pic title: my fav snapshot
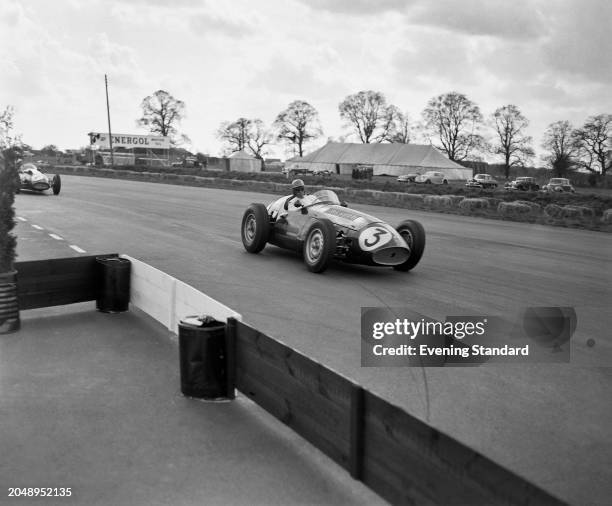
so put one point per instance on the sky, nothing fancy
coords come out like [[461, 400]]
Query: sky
[[226, 60]]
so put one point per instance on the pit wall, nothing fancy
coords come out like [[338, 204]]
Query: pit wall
[[486, 207]]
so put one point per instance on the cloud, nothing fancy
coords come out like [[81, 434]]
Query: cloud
[[518, 19], [580, 40], [12, 14], [205, 24], [356, 7], [285, 76], [428, 59]]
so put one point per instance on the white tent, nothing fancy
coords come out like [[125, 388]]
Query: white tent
[[241, 161], [390, 159]]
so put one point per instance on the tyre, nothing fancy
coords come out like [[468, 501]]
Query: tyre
[[319, 245], [428, 181], [445, 182], [414, 235], [255, 228], [56, 184]]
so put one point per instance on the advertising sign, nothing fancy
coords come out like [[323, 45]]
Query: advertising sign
[[128, 141]]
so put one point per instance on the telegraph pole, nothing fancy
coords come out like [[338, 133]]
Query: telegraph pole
[[110, 137]]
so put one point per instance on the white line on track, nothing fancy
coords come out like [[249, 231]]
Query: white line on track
[[20, 218], [56, 237], [77, 249], [37, 227]]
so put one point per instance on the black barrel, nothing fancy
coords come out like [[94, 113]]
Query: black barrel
[[9, 303], [202, 360], [113, 284]]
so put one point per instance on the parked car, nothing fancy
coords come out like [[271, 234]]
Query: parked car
[[431, 177], [523, 184], [559, 184], [482, 181], [322, 228], [32, 179], [321, 172], [296, 172], [407, 178]]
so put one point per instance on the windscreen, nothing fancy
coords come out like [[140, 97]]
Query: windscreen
[[326, 197]]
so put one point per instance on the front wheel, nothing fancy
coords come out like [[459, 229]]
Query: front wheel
[[56, 184], [319, 245], [414, 234], [255, 228]]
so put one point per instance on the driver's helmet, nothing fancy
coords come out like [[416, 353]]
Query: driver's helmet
[[297, 185]]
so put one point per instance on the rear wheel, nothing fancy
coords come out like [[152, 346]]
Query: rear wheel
[[255, 228], [319, 245], [56, 184], [414, 234]]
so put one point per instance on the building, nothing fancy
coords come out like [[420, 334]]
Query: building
[[385, 159]]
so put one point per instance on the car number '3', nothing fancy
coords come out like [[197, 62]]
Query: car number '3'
[[374, 237]]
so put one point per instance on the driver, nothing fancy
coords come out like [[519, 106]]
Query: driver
[[298, 192], [297, 199]]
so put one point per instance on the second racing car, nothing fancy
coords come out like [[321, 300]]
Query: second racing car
[[32, 179], [324, 228]]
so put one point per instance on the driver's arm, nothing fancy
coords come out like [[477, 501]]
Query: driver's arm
[[286, 206]]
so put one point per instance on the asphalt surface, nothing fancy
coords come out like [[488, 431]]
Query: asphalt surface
[[547, 422], [90, 407]]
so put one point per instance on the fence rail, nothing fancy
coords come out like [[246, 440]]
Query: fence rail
[[398, 456], [55, 282]]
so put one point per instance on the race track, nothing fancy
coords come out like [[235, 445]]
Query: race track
[[547, 422]]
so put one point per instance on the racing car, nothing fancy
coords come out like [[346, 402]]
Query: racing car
[[323, 228], [31, 178]]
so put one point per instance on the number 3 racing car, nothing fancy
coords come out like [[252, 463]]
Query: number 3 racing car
[[32, 179], [322, 228]]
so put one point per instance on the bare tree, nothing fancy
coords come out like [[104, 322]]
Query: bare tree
[[368, 113], [515, 147], [594, 139], [402, 128], [259, 138], [298, 124], [455, 120], [234, 134], [244, 134], [559, 140], [161, 113]]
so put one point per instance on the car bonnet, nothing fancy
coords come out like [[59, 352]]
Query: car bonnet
[[346, 217]]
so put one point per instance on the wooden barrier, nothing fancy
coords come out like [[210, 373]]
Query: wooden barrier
[[55, 282], [399, 457]]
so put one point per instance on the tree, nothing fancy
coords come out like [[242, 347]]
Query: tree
[[559, 140], [244, 134], [595, 143], [235, 134], [10, 152], [402, 131], [515, 147], [298, 124], [7, 140], [161, 113], [258, 138], [368, 113], [455, 120], [51, 150]]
